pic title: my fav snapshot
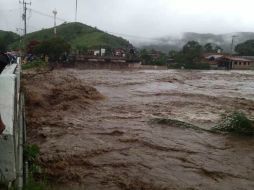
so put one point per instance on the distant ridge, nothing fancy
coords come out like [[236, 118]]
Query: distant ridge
[[223, 40]]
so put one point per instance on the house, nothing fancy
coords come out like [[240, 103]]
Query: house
[[232, 62], [226, 61], [212, 60], [119, 52], [214, 57], [97, 52]]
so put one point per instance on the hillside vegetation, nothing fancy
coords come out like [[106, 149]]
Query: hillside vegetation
[[6, 38], [78, 35], [168, 43]]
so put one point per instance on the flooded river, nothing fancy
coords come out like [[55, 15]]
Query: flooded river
[[112, 144]]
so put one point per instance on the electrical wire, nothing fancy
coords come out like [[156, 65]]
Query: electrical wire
[[46, 15], [130, 36], [133, 36], [113, 33], [8, 10]]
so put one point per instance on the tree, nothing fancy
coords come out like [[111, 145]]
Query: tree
[[31, 46], [217, 48], [192, 52], [211, 48], [146, 58], [54, 48], [190, 56], [82, 49], [153, 57], [192, 47], [3, 45], [172, 53], [5, 40], [162, 60], [208, 48], [246, 48]]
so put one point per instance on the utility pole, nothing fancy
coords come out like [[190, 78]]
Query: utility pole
[[20, 31], [54, 12], [24, 3], [76, 10], [24, 15], [232, 45]]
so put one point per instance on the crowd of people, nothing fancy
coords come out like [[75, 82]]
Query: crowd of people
[[5, 59]]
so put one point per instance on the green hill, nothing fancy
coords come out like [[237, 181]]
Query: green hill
[[6, 38], [168, 43], [79, 35]]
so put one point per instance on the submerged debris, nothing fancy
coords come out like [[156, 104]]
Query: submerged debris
[[235, 122], [177, 123], [174, 122]]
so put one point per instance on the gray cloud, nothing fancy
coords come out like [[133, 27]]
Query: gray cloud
[[146, 18]]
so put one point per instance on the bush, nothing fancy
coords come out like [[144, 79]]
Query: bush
[[236, 123], [54, 48], [32, 184], [31, 153], [34, 64]]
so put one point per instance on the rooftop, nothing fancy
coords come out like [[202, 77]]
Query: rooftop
[[214, 56], [237, 59]]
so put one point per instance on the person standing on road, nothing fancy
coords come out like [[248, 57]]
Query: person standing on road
[[4, 60]]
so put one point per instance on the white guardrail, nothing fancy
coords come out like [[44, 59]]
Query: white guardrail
[[12, 138]]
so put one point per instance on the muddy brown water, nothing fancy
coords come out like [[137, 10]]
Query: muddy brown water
[[111, 144]]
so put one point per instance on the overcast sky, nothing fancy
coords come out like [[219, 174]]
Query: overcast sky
[[146, 18]]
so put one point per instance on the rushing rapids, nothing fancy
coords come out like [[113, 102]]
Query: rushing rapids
[[94, 128]]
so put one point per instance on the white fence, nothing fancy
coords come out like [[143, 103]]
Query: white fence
[[11, 140]]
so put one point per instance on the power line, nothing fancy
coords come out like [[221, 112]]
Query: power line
[[8, 10], [133, 36], [113, 33], [47, 15]]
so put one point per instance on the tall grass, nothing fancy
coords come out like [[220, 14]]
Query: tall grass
[[34, 64], [237, 123]]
